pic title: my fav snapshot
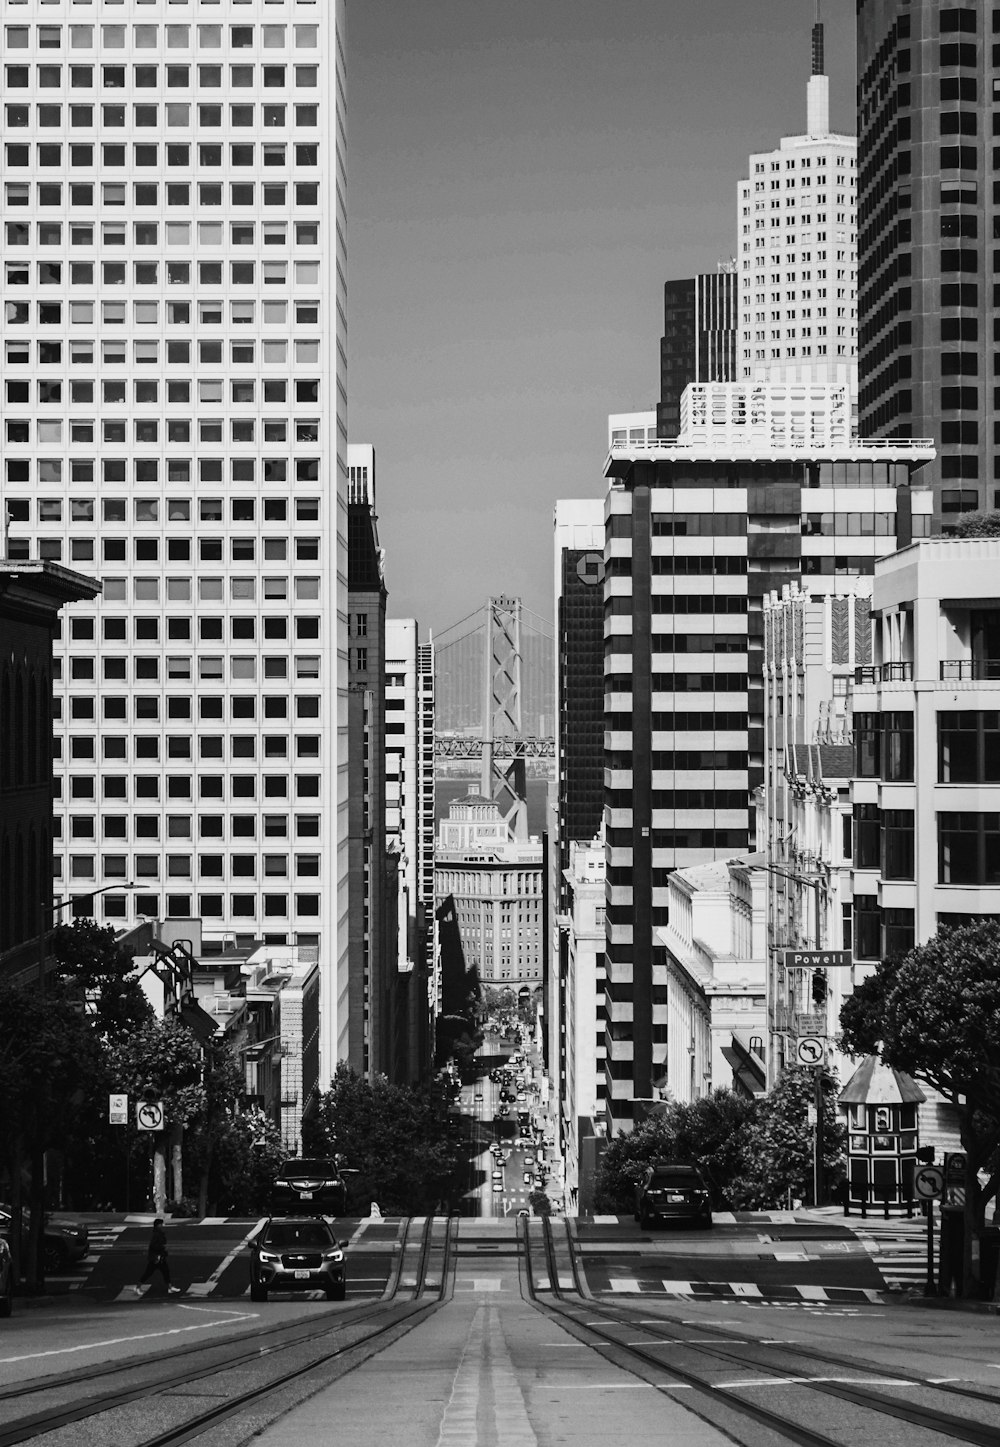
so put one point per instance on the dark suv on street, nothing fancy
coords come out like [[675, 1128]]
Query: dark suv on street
[[297, 1254], [668, 1192], [311, 1187]]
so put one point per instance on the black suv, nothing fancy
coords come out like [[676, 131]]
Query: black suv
[[309, 1188], [297, 1254], [668, 1192]]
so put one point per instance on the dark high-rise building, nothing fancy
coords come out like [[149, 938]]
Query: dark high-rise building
[[765, 486], [928, 194], [700, 324], [371, 932]]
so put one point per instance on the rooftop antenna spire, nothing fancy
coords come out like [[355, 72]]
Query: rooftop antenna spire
[[818, 99], [818, 66]]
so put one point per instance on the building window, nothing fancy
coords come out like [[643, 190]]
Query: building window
[[968, 747], [897, 859], [897, 747], [867, 836], [968, 848]]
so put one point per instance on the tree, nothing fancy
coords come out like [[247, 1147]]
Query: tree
[[977, 525], [778, 1147], [92, 966], [246, 1154], [393, 1137], [627, 1156], [49, 1058], [713, 1133], [936, 1015]]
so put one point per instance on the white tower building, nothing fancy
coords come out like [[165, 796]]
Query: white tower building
[[174, 184], [797, 243]]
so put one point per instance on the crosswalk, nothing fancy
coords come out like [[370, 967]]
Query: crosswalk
[[898, 1250], [747, 1291], [72, 1278]]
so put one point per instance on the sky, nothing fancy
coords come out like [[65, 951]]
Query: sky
[[523, 177]]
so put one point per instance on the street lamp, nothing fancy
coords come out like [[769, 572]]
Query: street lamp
[[53, 909]]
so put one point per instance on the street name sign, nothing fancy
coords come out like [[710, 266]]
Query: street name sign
[[928, 1182], [149, 1115], [818, 959], [810, 1050]]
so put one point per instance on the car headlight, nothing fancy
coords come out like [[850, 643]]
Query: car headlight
[[333, 1255], [270, 1256]]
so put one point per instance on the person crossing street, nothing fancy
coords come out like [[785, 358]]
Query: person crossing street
[[156, 1260]]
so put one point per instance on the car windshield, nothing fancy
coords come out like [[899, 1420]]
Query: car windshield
[[291, 1233], [674, 1179], [309, 1168]]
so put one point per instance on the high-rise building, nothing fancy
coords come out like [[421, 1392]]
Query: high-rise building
[[175, 400], [927, 187], [700, 321], [797, 238], [764, 486], [371, 933], [577, 801], [409, 819]]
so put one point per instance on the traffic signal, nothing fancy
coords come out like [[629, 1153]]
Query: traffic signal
[[819, 987]]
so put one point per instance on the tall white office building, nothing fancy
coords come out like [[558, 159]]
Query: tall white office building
[[174, 192], [797, 238]]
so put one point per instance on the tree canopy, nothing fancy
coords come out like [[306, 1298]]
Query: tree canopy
[[977, 525], [936, 1014], [392, 1138]]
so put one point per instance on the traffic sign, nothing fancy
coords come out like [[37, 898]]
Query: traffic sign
[[118, 1110], [818, 959], [810, 1050], [149, 1115], [928, 1182], [955, 1166]]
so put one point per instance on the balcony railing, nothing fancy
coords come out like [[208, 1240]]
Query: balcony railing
[[980, 670], [883, 673]]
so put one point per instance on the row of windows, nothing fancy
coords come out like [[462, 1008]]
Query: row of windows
[[242, 668], [179, 866], [179, 550], [177, 430], [181, 786], [147, 630], [209, 906], [182, 826], [175, 510], [146, 193], [147, 37], [145, 708]]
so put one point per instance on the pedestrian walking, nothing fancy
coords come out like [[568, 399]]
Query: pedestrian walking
[[156, 1260]]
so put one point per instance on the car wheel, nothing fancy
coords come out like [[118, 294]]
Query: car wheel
[[6, 1305], [704, 1223], [336, 1293], [258, 1292]]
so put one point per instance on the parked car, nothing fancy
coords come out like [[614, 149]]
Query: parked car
[[311, 1187], [6, 1280], [669, 1192], [64, 1240], [297, 1254]]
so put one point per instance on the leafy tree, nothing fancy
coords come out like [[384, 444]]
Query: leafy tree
[[247, 1153], [540, 1203], [936, 1015], [977, 525], [778, 1145], [393, 1137], [49, 1057], [93, 966], [713, 1133], [627, 1156]]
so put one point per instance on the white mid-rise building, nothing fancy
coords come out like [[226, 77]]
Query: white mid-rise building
[[174, 212], [797, 241]]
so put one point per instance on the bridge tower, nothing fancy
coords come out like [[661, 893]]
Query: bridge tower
[[503, 770]]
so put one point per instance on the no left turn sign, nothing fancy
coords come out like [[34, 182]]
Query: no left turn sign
[[928, 1182], [149, 1115], [810, 1050]]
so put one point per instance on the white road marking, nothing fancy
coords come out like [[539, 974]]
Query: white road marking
[[120, 1340], [202, 1288], [217, 1309], [796, 1381]]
